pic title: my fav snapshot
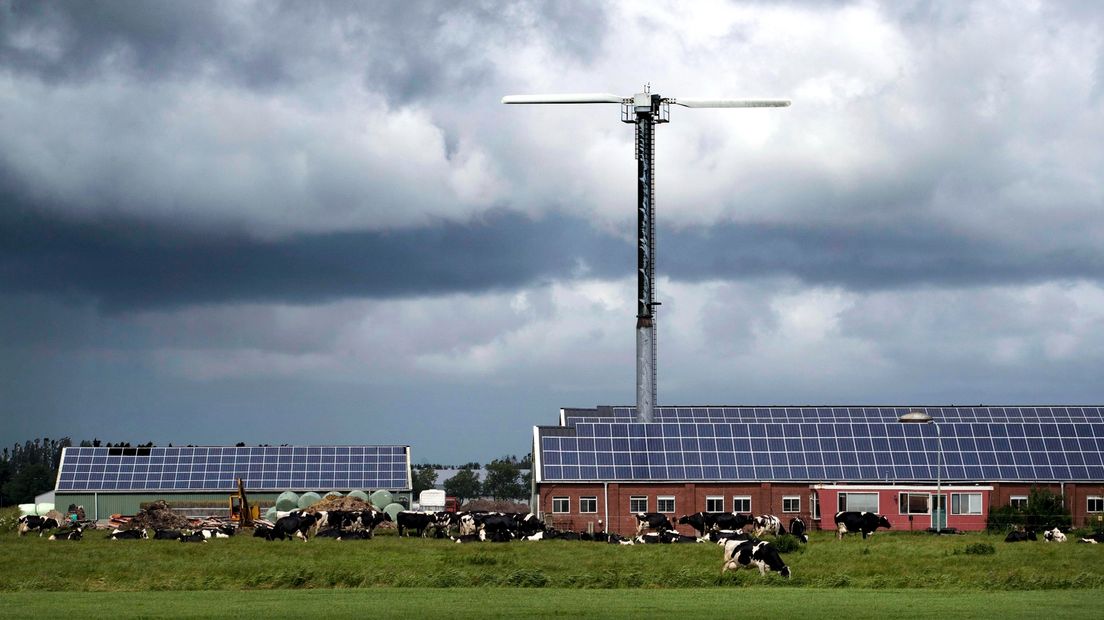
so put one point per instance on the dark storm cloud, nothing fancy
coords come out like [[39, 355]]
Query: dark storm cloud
[[126, 264], [409, 50]]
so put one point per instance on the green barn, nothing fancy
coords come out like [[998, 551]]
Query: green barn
[[199, 480]]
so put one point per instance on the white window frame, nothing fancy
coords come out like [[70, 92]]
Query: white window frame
[[1099, 499], [814, 506], [665, 498], [1017, 499], [740, 498], [561, 505], [592, 500], [841, 500], [904, 507], [959, 497], [718, 501], [638, 498], [791, 498]]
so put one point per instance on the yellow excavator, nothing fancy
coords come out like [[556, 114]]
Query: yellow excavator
[[240, 508]]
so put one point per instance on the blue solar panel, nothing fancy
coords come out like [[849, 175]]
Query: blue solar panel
[[818, 450], [1052, 414], [217, 468]]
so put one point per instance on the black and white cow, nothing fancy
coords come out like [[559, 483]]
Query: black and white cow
[[194, 537], [30, 523], [652, 520], [1095, 538], [67, 534], [759, 554], [768, 524], [135, 534], [528, 524], [329, 532], [1054, 535], [722, 536], [417, 521], [705, 521], [650, 538], [355, 535], [865, 522], [166, 535], [297, 524], [672, 536], [479, 536], [797, 528], [221, 532], [499, 526], [1020, 536], [261, 531]]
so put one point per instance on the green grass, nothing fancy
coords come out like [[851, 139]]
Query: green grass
[[886, 561], [459, 603]]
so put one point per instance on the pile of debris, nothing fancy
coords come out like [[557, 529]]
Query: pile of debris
[[158, 516], [340, 503]]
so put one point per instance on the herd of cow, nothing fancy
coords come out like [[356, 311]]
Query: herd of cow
[[1051, 535], [739, 534]]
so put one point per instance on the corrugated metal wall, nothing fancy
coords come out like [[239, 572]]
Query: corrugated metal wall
[[103, 505]]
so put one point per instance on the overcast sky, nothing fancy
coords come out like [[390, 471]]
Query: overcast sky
[[285, 222]]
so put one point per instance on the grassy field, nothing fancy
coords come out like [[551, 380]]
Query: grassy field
[[460, 603], [886, 561]]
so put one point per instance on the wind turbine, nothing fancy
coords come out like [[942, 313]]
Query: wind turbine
[[646, 110]]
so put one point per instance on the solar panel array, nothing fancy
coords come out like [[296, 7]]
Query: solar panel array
[[839, 414], [217, 468], [828, 444]]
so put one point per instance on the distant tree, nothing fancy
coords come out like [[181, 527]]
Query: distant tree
[[464, 485], [1046, 510], [504, 480], [471, 465], [423, 477], [27, 483]]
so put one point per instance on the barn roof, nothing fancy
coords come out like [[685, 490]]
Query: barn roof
[[824, 444], [216, 468]]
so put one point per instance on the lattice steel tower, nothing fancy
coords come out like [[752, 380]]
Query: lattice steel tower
[[646, 110]]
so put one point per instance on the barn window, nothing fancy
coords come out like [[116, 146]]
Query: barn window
[[791, 504], [741, 503], [965, 503], [665, 503], [858, 502], [561, 504], [1096, 503], [588, 504], [638, 503], [714, 503], [915, 503], [1019, 502]]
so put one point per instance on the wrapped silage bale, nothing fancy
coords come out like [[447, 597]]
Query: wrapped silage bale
[[287, 501], [361, 495], [380, 499], [393, 509], [270, 515], [332, 494], [27, 510], [308, 499], [43, 508]]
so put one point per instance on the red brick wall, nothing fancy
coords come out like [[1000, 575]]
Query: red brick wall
[[689, 498]]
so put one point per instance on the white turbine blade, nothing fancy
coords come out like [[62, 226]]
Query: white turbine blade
[[565, 98], [732, 103]]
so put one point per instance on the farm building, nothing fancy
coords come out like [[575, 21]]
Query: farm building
[[199, 480], [599, 466]]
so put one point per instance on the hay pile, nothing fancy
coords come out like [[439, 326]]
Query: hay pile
[[334, 502], [158, 516]]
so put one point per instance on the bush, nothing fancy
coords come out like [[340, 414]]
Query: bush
[[787, 543], [980, 549], [9, 519]]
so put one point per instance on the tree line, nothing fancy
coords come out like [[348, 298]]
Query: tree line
[[508, 478]]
